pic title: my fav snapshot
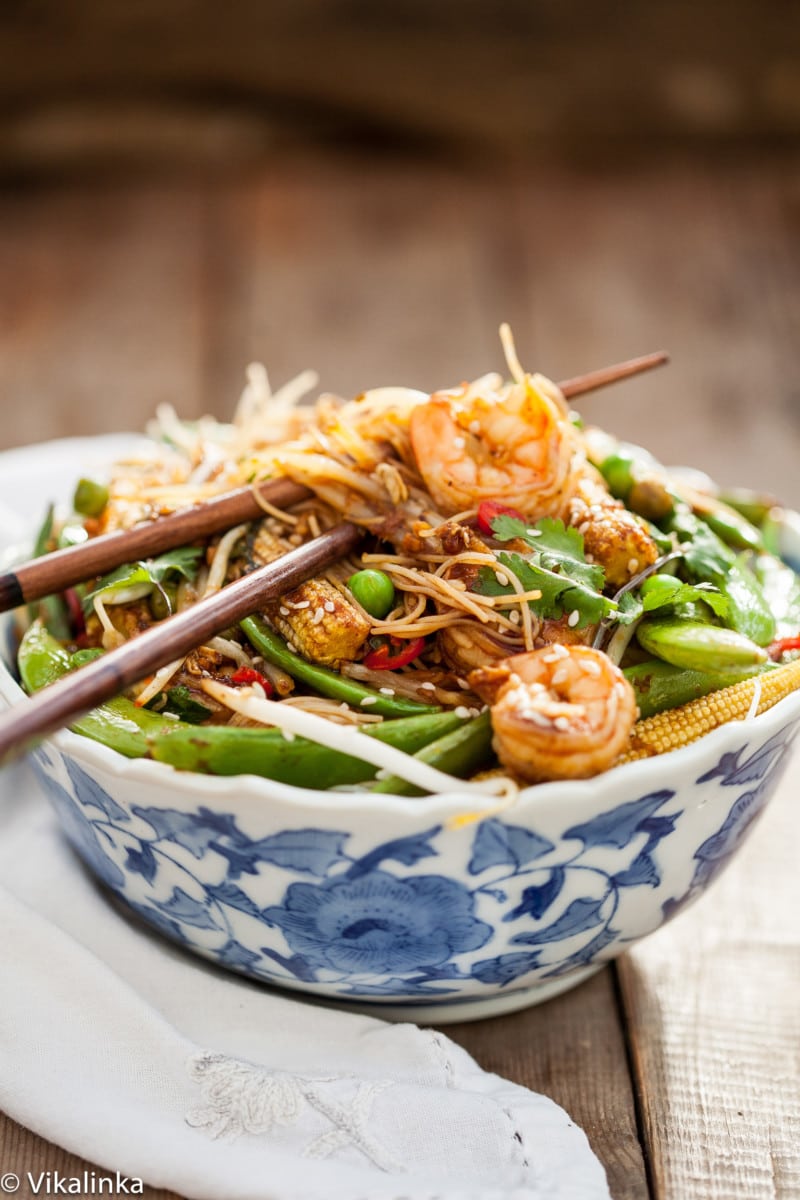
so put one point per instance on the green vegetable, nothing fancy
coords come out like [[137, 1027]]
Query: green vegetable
[[618, 471], [754, 506], [118, 723], [460, 753], [134, 580], [50, 609], [226, 750], [220, 749], [660, 591], [708, 559], [180, 701], [697, 645], [324, 681], [659, 685], [556, 567], [781, 587], [374, 591], [90, 497], [730, 525]]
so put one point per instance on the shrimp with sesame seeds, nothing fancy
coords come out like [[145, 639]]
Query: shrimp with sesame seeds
[[514, 444], [563, 712]]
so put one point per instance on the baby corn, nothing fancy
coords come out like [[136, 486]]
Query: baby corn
[[679, 726], [315, 618]]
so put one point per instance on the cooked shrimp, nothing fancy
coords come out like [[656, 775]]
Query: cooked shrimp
[[564, 712], [515, 446]]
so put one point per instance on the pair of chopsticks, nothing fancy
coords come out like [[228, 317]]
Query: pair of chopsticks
[[64, 701]]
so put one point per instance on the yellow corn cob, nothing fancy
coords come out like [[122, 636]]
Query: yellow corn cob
[[679, 726], [318, 621]]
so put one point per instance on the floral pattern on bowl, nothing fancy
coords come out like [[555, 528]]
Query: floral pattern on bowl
[[447, 913]]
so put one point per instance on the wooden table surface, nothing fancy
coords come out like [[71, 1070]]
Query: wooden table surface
[[682, 1060]]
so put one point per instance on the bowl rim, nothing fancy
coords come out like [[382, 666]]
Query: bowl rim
[[564, 794]]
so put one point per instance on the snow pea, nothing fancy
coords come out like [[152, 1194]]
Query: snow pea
[[118, 723], [659, 685], [697, 645], [226, 750], [323, 680], [460, 753], [218, 749]]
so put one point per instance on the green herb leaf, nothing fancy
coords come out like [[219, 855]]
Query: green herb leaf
[[139, 578], [556, 567], [662, 595], [181, 702]]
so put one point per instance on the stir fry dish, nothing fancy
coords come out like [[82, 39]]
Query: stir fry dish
[[534, 599]]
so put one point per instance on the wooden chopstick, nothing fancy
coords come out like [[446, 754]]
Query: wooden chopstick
[[54, 572], [67, 699], [63, 568], [615, 374]]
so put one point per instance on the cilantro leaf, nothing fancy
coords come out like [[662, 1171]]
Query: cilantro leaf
[[660, 594], [133, 580], [183, 561], [556, 567]]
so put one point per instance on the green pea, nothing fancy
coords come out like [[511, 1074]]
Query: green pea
[[90, 497], [667, 585], [617, 470], [374, 591]]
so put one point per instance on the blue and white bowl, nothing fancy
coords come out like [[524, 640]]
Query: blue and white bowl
[[425, 909]]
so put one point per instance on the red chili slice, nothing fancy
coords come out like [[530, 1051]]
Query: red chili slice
[[394, 654], [251, 675], [75, 609], [782, 645], [489, 510]]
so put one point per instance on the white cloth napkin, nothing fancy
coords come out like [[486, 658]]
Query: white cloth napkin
[[149, 1062]]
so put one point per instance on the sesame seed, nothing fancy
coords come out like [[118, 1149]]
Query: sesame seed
[[501, 578], [550, 658], [561, 723], [633, 565], [287, 735], [462, 683], [534, 532], [301, 604], [462, 712], [459, 443], [319, 616], [589, 558], [560, 675], [591, 668], [474, 712], [474, 426], [538, 718], [290, 646], [284, 611], [386, 691], [329, 606], [428, 686], [573, 618], [369, 700], [514, 617], [170, 716]]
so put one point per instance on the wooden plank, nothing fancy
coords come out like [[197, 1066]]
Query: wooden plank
[[572, 1049], [714, 1020], [100, 309]]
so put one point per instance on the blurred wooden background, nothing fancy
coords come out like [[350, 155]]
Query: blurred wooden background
[[370, 189]]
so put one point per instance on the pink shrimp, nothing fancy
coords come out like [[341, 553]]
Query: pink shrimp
[[564, 712]]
